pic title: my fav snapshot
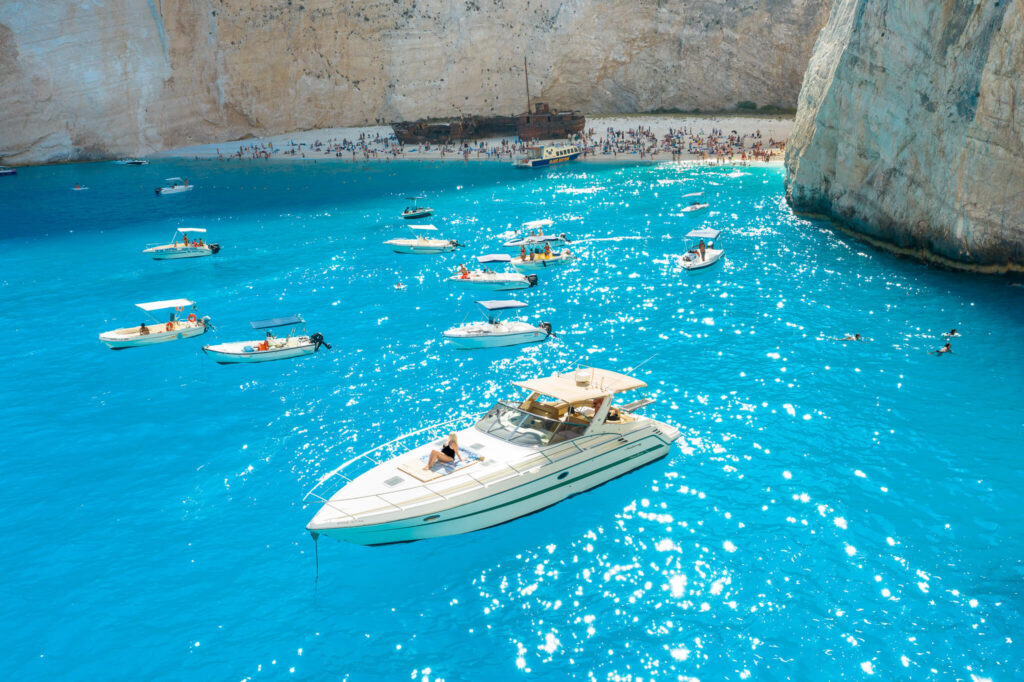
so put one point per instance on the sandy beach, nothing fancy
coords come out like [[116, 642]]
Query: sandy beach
[[375, 143]]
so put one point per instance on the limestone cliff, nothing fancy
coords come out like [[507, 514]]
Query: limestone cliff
[[910, 128], [94, 78]]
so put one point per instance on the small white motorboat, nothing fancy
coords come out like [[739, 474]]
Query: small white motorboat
[[421, 244], [528, 235], [702, 254], [539, 260], [174, 186], [488, 280], [565, 438], [8, 170], [79, 188], [495, 332], [416, 211], [174, 329], [132, 162], [695, 208], [549, 155], [182, 247], [294, 345]]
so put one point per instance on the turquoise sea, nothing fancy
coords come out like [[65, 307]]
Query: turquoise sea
[[833, 511]]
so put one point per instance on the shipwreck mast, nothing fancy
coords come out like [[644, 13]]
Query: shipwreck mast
[[526, 70]]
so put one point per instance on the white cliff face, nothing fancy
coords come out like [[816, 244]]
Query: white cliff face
[[96, 78], [910, 128]]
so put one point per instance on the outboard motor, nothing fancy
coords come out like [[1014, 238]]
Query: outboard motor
[[546, 326], [455, 243], [532, 279], [318, 340], [564, 238], [205, 319], [214, 248]]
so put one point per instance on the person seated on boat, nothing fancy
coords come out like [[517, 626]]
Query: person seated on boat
[[700, 247], [143, 329], [547, 249], [463, 272], [613, 414], [449, 452], [265, 344], [184, 238], [522, 253]]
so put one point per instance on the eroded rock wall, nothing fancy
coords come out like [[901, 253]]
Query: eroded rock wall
[[910, 128], [95, 78]]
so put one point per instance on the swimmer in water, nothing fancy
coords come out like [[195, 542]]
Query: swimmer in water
[[855, 337], [945, 349], [952, 333]]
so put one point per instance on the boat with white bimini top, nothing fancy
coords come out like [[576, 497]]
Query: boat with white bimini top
[[528, 235], [294, 345], [182, 247], [548, 155], [174, 329], [421, 244], [174, 186], [416, 211], [495, 332], [694, 208], [530, 260], [702, 254], [488, 280], [564, 438]]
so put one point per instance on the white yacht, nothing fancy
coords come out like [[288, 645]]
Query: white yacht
[[421, 244], [174, 329], [528, 235], [702, 254], [494, 332], [695, 207], [539, 260], [181, 247], [549, 155], [489, 280], [564, 438], [295, 344], [416, 211], [174, 186]]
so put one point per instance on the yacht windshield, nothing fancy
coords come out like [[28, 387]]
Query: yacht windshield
[[518, 427]]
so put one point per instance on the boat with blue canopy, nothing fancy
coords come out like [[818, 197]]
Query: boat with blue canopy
[[296, 343], [487, 279], [494, 332]]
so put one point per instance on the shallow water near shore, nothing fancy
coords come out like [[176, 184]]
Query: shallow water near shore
[[833, 510]]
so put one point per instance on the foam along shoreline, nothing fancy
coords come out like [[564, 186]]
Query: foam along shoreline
[[301, 146]]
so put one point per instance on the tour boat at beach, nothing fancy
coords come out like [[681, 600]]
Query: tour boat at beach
[[175, 186], [564, 438], [541, 261], [420, 244], [174, 329], [693, 259], [495, 332], [489, 280], [695, 208], [182, 248], [7, 170], [548, 155], [414, 211], [293, 345]]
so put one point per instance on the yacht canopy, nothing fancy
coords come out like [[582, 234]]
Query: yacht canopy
[[536, 224], [586, 383], [164, 305], [423, 228], [494, 258], [277, 322], [706, 233], [500, 305], [191, 229]]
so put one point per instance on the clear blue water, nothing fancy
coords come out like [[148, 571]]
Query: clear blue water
[[834, 510]]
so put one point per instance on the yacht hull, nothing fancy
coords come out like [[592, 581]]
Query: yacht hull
[[123, 338], [173, 253], [544, 490], [490, 284], [234, 353], [475, 341]]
